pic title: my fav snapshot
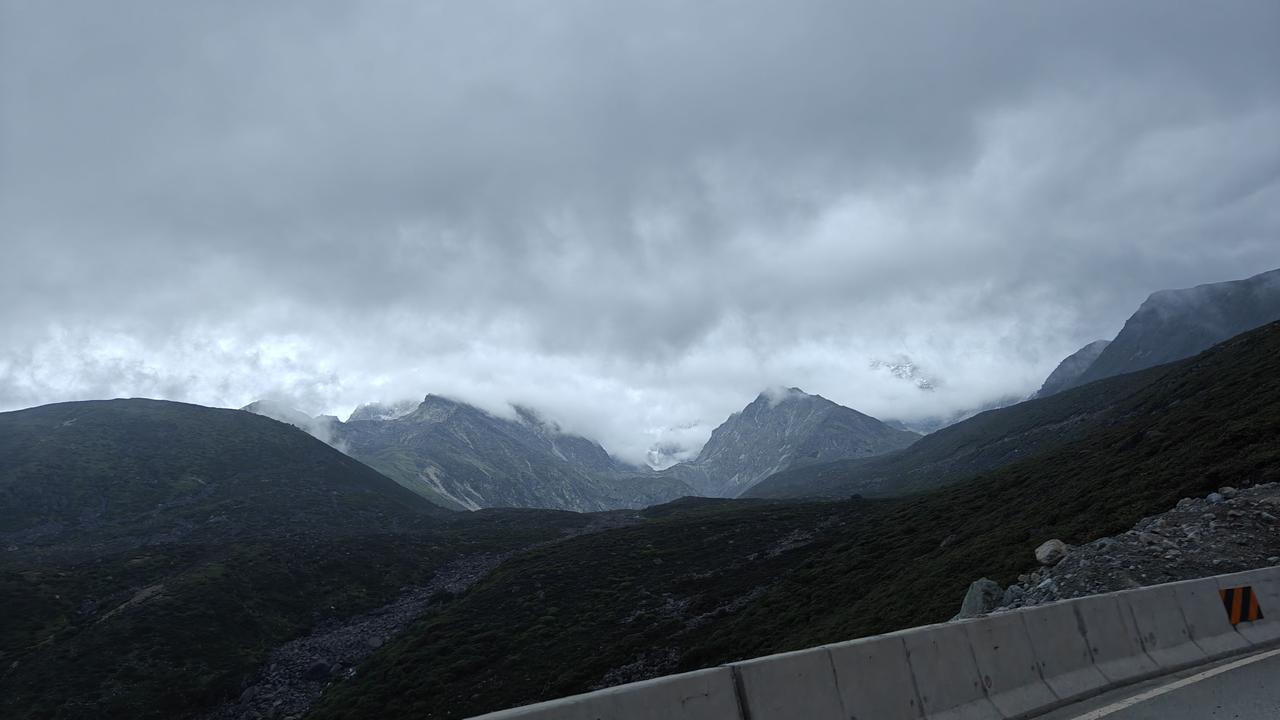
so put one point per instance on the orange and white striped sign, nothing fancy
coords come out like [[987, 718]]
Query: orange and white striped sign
[[1241, 604]]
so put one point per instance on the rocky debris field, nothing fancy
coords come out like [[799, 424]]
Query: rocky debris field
[[1227, 531], [298, 671]]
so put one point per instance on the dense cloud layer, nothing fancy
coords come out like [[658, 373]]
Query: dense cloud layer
[[633, 215]]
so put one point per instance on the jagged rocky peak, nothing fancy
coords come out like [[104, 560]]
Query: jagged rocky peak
[[774, 406], [383, 411], [465, 457], [1070, 369], [773, 397], [781, 428]]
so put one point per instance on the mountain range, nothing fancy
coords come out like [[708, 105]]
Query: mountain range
[[159, 557], [464, 458], [699, 581]]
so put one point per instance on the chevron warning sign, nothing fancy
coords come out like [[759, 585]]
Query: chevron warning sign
[[1241, 604]]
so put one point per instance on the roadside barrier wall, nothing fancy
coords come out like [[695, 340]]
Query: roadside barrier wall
[[999, 667]]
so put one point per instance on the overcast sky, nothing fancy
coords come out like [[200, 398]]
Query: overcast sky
[[634, 216]]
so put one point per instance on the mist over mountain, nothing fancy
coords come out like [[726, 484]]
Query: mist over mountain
[[1076, 417], [464, 458], [780, 429], [1175, 324], [1072, 368]]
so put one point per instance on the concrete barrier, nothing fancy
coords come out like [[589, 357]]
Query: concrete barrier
[[875, 680], [1113, 639], [700, 695], [1207, 619], [1266, 585], [1008, 664], [942, 663], [1161, 626], [790, 685], [1058, 637]]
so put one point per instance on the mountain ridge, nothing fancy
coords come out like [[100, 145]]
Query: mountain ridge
[[463, 457], [779, 429], [1179, 323], [1071, 368]]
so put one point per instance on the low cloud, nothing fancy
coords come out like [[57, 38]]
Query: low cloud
[[634, 219]]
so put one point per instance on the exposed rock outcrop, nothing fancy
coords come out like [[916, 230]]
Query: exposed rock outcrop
[[983, 597]]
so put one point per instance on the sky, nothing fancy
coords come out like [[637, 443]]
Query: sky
[[634, 216]]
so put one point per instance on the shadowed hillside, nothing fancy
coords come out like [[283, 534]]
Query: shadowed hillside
[[156, 552]]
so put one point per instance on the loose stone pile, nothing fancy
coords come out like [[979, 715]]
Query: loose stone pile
[[1226, 531]]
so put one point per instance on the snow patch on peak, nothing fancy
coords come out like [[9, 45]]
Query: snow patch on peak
[[904, 368], [383, 411]]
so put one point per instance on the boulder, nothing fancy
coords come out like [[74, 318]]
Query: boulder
[[1051, 552], [983, 596]]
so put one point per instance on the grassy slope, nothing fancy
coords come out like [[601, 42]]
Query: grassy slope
[[156, 552], [558, 620], [133, 468]]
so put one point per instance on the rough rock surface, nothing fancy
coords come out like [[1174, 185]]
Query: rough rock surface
[[1051, 552], [297, 672], [983, 597], [783, 429], [1230, 531]]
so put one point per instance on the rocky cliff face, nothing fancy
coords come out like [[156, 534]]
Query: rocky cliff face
[[1070, 369], [780, 430], [1176, 324], [464, 458]]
